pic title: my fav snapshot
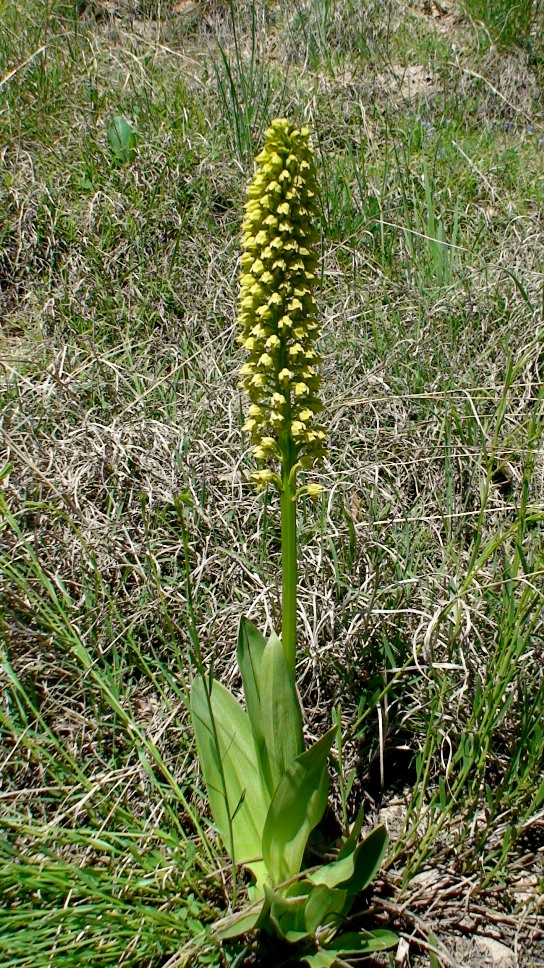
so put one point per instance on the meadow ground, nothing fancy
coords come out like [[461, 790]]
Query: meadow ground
[[128, 521]]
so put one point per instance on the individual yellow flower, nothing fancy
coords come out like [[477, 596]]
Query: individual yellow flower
[[314, 490]]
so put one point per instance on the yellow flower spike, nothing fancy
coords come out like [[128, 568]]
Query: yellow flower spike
[[276, 305]]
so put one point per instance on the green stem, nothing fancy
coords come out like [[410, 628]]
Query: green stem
[[289, 559]]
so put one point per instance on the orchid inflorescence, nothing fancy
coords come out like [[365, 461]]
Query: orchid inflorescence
[[277, 308]]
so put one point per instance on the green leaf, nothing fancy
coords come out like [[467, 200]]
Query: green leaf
[[231, 772], [236, 925], [356, 871], [323, 906], [122, 139], [249, 654], [297, 806], [286, 915], [433, 960], [280, 710], [362, 942], [351, 842], [320, 959], [335, 873], [368, 859], [538, 799]]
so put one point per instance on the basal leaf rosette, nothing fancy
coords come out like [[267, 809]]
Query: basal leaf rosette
[[277, 308]]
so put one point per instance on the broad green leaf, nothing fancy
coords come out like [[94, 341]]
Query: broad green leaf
[[356, 871], [368, 859], [320, 959], [363, 942], [236, 925], [297, 806], [287, 915], [249, 654], [122, 139], [323, 906], [231, 772], [280, 710], [335, 873]]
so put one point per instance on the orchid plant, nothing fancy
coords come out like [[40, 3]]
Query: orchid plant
[[266, 791]]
